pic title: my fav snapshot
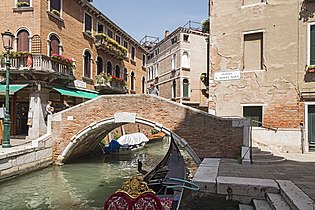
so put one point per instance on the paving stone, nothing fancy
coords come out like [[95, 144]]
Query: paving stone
[[245, 207]]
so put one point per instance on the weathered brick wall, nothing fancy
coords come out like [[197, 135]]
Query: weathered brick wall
[[209, 136]]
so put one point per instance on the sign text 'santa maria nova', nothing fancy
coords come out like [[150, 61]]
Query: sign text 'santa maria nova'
[[230, 75]]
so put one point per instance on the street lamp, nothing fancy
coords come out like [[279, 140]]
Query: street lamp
[[7, 39]]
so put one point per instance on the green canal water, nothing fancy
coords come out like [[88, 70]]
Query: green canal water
[[84, 184]]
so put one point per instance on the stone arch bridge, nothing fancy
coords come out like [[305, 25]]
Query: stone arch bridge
[[77, 131]]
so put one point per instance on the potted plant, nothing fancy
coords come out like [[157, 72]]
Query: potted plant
[[55, 12], [22, 4], [311, 68]]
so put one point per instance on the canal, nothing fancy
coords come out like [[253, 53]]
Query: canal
[[84, 184]]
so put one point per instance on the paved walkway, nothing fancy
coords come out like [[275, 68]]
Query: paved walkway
[[299, 168]]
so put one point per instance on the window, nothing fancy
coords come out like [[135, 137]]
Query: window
[[312, 45], [132, 81], [186, 37], [174, 89], [173, 61], [157, 70], [133, 53], [110, 33], [100, 28], [185, 88], [125, 44], [23, 41], [55, 6], [185, 60], [87, 64], [109, 68], [143, 85], [254, 113], [118, 39], [125, 74], [143, 60], [117, 71], [251, 2], [99, 64], [174, 40], [157, 51], [253, 51], [54, 45], [88, 23]]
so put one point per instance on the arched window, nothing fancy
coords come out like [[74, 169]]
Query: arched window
[[143, 85], [117, 71], [174, 62], [185, 60], [125, 74], [109, 68], [99, 64], [87, 64], [132, 81], [23, 41], [54, 45], [185, 88]]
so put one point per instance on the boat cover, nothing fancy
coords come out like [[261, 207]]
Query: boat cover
[[132, 139]]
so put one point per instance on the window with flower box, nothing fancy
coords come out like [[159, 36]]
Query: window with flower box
[[88, 23], [55, 7], [23, 3]]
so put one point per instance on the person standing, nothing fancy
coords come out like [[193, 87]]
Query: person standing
[[153, 90], [65, 104], [49, 109]]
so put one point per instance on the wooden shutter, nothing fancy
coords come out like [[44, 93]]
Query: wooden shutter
[[55, 4], [88, 22], [23, 41], [87, 64], [54, 45], [253, 51]]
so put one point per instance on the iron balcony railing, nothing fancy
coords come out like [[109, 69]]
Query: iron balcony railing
[[38, 63]]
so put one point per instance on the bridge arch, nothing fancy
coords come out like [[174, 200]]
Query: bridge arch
[[106, 125], [74, 130]]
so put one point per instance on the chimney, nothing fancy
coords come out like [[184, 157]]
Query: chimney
[[166, 33]]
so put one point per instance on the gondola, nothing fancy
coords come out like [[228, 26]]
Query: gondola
[[168, 177]]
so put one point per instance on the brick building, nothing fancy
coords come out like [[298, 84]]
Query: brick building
[[261, 68], [176, 64], [64, 50]]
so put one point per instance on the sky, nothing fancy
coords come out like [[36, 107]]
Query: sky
[[152, 17]]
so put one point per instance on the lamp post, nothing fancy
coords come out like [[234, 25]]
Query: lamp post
[[7, 39]]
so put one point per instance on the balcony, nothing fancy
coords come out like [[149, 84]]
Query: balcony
[[108, 45], [110, 85], [25, 66]]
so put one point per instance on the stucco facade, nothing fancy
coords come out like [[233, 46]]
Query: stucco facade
[[175, 65], [259, 68]]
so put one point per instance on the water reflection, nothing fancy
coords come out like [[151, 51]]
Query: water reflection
[[84, 184]]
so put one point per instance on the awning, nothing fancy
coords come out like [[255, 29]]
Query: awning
[[76, 92], [12, 88]]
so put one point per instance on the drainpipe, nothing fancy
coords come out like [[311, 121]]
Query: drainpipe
[[302, 136]]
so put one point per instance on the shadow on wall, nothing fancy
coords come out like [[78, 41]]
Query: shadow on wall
[[307, 10]]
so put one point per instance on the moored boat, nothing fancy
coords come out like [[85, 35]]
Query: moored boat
[[167, 179], [126, 144]]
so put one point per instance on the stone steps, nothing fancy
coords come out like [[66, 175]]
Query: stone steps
[[263, 155], [277, 202], [261, 205]]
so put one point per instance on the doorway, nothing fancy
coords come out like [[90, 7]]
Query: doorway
[[311, 127]]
